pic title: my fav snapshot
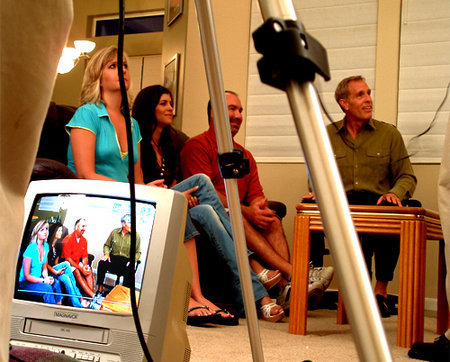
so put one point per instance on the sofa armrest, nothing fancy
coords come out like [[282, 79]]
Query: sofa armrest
[[45, 169]]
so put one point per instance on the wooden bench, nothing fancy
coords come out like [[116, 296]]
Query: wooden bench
[[414, 225]]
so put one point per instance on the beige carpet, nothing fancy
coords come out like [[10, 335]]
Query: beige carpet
[[326, 341]]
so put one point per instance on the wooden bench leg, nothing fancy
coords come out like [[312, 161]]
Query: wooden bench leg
[[300, 276], [341, 317], [411, 283], [442, 306]]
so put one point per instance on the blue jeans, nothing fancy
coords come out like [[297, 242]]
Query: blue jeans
[[50, 293], [69, 282], [213, 218], [190, 231]]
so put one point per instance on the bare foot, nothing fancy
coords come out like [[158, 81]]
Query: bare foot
[[198, 309], [214, 308]]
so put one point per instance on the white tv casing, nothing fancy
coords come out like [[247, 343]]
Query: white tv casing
[[164, 296]]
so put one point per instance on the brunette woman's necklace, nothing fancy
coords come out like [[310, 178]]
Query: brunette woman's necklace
[[158, 147]]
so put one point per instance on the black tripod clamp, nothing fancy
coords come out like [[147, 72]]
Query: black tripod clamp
[[289, 53], [233, 164]]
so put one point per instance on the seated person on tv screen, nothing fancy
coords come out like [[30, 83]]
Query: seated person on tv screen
[[62, 270], [74, 251], [116, 253], [33, 275], [57, 233]]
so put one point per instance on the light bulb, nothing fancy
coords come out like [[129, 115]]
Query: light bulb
[[65, 65], [67, 60], [84, 46]]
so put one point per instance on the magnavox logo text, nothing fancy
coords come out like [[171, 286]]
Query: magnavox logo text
[[66, 315]]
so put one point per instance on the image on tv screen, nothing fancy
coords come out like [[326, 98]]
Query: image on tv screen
[[75, 251]]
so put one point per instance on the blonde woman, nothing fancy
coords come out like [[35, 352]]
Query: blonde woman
[[98, 141], [33, 277], [98, 148]]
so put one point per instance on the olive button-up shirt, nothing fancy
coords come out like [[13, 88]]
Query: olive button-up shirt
[[376, 161], [119, 244]]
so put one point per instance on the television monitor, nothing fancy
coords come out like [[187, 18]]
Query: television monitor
[[104, 329]]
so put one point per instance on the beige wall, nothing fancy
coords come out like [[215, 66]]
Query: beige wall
[[284, 182], [68, 86], [232, 20], [288, 182]]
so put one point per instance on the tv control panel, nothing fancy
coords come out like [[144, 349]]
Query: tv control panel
[[81, 355]]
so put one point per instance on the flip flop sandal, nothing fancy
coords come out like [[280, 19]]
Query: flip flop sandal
[[225, 321], [198, 320]]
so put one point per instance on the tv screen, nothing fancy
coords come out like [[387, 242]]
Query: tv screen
[[87, 222], [58, 213]]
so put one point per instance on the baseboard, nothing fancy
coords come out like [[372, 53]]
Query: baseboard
[[431, 304]]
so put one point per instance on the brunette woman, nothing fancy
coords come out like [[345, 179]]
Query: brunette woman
[[153, 109], [63, 271]]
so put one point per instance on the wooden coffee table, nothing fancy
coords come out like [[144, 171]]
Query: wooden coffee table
[[414, 225]]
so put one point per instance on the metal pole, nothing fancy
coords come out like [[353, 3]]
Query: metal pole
[[352, 273], [225, 144]]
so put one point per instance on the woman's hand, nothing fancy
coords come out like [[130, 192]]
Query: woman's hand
[[192, 200], [48, 280], [158, 183], [59, 272]]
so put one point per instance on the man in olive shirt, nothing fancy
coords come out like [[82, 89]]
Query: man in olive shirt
[[116, 252], [375, 170]]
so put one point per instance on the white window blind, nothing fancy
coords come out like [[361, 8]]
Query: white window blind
[[348, 32], [424, 76]]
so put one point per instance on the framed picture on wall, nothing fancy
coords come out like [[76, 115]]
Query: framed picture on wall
[[171, 78], [174, 10]]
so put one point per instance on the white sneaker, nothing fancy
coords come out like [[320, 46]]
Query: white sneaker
[[284, 297], [315, 293], [323, 275]]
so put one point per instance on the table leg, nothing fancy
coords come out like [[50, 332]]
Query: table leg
[[300, 276], [442, 303], [341, 317], [411, 283]]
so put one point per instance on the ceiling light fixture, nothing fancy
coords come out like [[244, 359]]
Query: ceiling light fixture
[[71, 56]]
